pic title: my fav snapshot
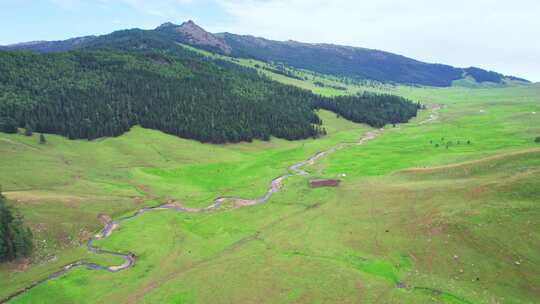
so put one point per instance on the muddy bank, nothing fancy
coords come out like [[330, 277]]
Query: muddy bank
[[321, 183]]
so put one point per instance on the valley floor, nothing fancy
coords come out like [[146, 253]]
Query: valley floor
[[443, 209]]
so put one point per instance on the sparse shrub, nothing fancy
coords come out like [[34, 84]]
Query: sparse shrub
[[537, 140], [468, 142], [28, 131], [42, 139]]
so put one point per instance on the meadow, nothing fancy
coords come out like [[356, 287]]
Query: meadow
[[62, 187], [442, 211]]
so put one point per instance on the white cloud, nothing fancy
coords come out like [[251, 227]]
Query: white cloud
[[498, 35]]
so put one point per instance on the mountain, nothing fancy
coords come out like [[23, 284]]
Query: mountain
[[342, 61], [137, 77], [192, 34], [51, 46], [353, 62]]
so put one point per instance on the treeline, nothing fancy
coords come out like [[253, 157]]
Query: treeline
[[15, 238], [375, 110], [281, 70], [355, 63], [482, 76], [322, 85], [89, 94]]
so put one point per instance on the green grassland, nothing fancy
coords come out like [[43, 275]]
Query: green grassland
[[302, 78], [419, 208], [472, 124], [62, 187]]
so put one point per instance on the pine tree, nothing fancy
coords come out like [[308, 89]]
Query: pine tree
[[8, 125], [15, 238], [28, 131]]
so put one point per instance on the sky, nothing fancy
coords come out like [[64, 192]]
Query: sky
[[499, 35]]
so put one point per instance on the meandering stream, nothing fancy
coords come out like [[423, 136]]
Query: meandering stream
[[275, 186]]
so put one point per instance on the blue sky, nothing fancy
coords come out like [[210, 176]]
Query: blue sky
[[27, 20], [499, 35]]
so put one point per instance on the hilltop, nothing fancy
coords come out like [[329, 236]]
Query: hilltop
[[342, 61]]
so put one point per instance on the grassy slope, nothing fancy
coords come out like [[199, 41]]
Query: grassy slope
[[309, 77], [305, 245], [493, 120], [447, 229], [63, 186]]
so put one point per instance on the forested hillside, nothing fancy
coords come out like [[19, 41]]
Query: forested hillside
[[343, 61], [104, 92], [354, 62]]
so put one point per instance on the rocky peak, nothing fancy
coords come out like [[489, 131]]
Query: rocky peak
[[190, 33], [190, 23], [190, 27], [166, 25]]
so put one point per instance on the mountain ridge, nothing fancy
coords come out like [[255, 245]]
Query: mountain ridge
[[189, 32], [338, 60]]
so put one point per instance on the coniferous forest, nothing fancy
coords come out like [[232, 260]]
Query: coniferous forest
[[87, 94], [15, 238], [389, 108]]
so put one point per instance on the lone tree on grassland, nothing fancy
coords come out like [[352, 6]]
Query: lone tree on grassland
[[15, 238], [28, 131], [537, 140], [42, 139]]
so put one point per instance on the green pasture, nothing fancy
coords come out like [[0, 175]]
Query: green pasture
[[445, 236], [438, 212]]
